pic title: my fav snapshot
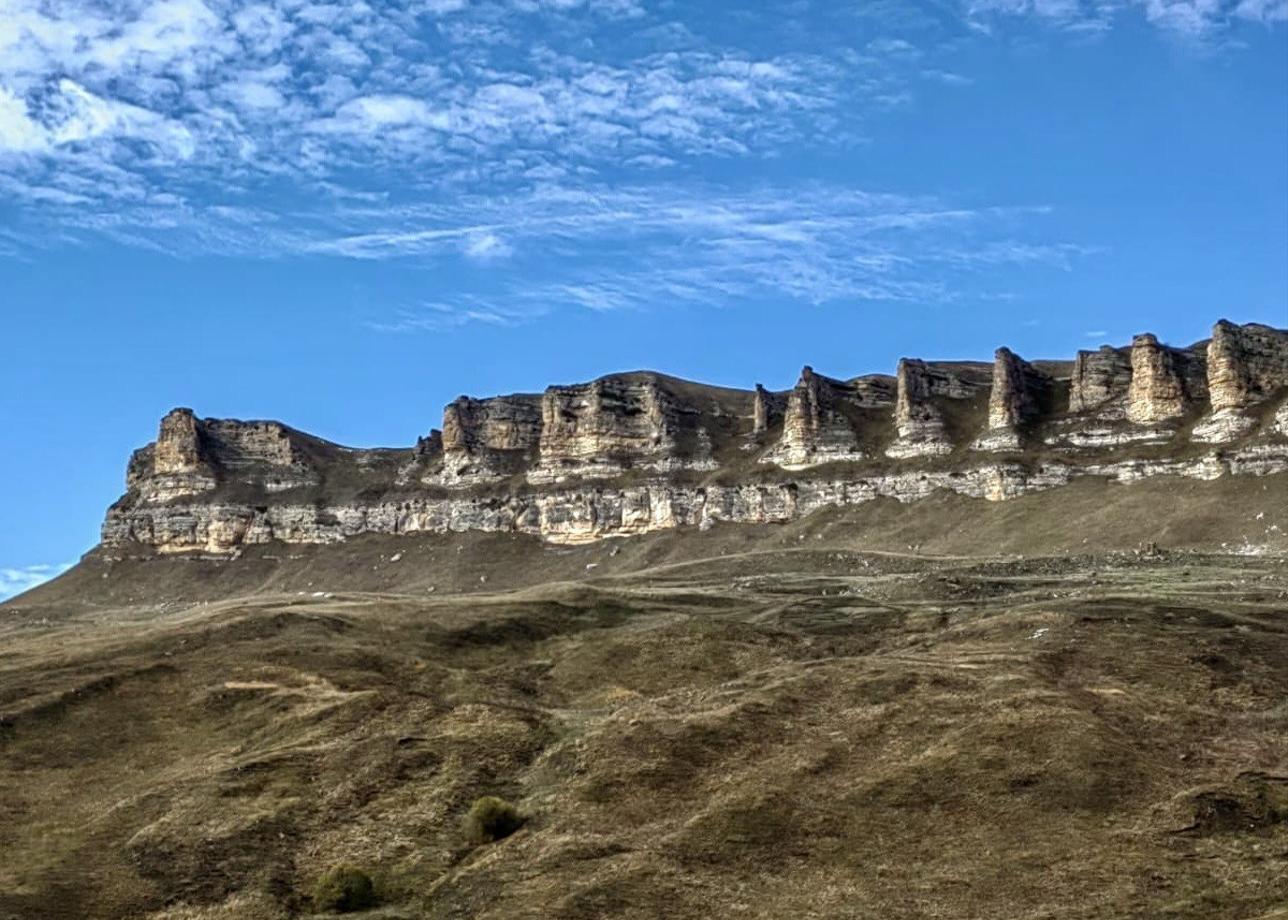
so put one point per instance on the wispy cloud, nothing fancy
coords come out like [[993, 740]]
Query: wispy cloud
[[669, 244], [511, 133], [15, 580], [1191, 19]]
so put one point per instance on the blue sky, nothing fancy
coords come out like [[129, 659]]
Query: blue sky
[[344, 215]]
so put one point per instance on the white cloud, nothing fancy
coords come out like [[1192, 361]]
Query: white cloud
[[1191, 19], [486, 246], [18, 131], [15, 580]]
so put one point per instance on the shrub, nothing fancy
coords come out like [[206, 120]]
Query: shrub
[[343, 889], [491, 819]]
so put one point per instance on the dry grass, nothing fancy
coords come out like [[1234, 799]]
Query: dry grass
[[771, 723]]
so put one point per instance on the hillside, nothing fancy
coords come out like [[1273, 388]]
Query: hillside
[[968, 641]]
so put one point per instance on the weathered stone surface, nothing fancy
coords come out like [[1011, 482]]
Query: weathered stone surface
[[919, 421], [192, 456], [513, 463], [628, 421], [1100, 381], [1014, 401], [815, 427], [179, 444], [766, 411], [580, 515], [486, 439], [1164, 381], [1246, 365]]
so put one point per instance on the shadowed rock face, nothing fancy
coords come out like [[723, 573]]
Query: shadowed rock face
[[918, 419], [815, 427], [637, 452], [192, 455], [1014, 401], [484, 439], [1099, 378], [767, 410]]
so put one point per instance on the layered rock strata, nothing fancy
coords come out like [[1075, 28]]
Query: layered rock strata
[[618, 423], [1100, 382], [1165, 381], [582, 515], [920, 411], [816, 427], [191, 456], [484, 439], [1015, 400], [637, 452], [767, 411], [1246, 365]]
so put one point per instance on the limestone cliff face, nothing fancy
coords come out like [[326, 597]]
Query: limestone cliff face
[[618, 423], [190, 456], [816, 428], [1100, 382], [766, 411], [1246, 365], [1165, 382], [487, 439], [1014, 401], [631, 453], [919, 414]]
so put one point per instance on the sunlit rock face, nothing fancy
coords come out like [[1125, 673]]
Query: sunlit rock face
[[624, 422], [920, 422], [1015, 400], [1246, 366], [817, 423], [1165, 382], [633, 453], [191, 455], [487, 439]]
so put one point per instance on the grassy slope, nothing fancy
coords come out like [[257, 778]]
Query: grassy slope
[[807, 720]]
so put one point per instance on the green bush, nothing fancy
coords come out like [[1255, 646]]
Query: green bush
[[343, 889], [491, 819]]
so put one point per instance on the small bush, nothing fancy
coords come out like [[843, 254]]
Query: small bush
[[344, 889], [491, 819]]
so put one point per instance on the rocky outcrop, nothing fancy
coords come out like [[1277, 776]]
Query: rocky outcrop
[[1165, 382], [581, 515], [920, 417], [669, 453], [617, 423], [816, 428], [1100, 382], [767, 410], [191, 456], [487, 439], [1246, 365], [1015, 400]]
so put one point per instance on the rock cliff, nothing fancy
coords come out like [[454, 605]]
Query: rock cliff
[[1246, 366], [1100, 382], [1165, 382], [921, 411], [1018, 395], [630, 453]]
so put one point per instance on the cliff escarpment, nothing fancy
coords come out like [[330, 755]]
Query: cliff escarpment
[[640, 452]]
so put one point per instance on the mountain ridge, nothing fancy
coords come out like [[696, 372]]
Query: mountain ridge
[[640, 451]]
